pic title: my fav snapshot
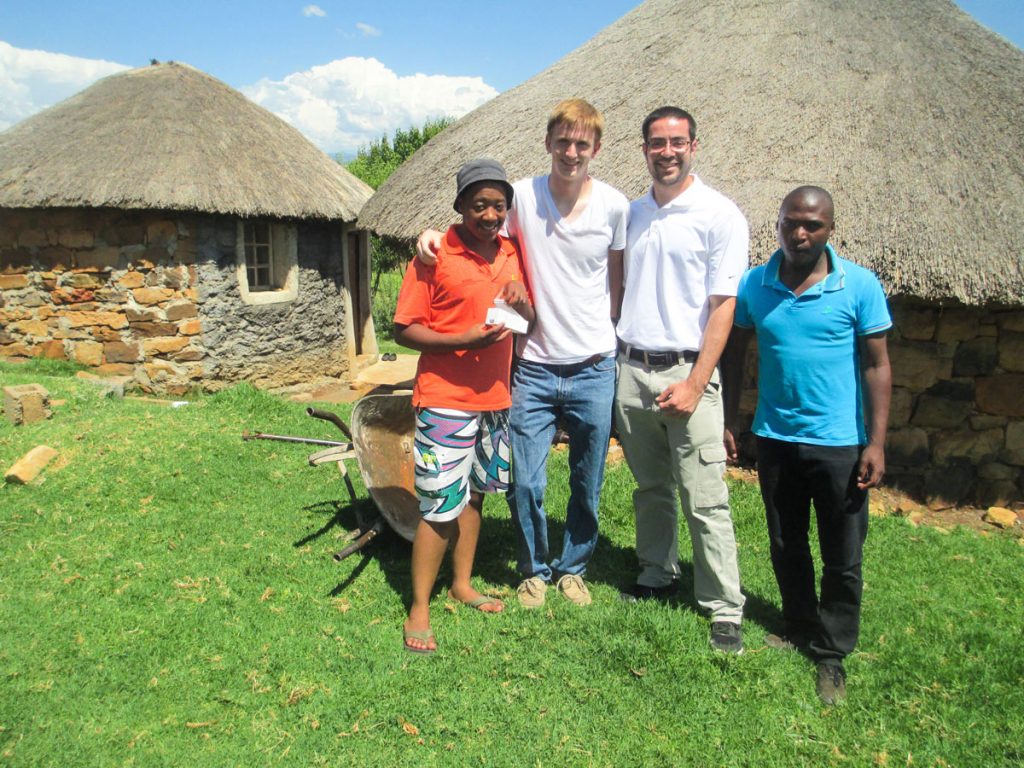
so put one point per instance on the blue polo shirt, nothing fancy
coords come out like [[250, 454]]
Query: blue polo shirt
[[809, 382]]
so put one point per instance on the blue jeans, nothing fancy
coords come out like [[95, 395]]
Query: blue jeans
[[581, 395]]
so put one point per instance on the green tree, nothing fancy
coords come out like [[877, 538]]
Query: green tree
[[375, 162]]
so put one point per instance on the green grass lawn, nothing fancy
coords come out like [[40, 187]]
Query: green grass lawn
[[168, 597]]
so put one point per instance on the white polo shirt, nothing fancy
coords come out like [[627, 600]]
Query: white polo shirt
[[678, 255], [567, 267]]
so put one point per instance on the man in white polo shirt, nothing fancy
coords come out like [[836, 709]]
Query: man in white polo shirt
[[687, 248]]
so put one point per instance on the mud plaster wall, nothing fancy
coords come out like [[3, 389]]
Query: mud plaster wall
[[274, 344], [956, 426], [154, 296]]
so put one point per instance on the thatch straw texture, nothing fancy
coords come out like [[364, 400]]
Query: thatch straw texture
[[910, 112], [171, 137]]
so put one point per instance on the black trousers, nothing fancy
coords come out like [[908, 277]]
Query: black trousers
[[792, 475]]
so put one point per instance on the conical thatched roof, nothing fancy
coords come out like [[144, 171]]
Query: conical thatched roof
[[171, 137], [910, 112]]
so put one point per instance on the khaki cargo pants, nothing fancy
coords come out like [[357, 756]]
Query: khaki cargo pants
[[679, 461]]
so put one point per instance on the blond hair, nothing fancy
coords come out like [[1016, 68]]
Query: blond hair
[[576, 112]]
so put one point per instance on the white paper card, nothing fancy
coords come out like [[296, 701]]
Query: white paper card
[[503, 313]]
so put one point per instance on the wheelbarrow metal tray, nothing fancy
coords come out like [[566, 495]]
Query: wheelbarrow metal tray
[[383, 428]]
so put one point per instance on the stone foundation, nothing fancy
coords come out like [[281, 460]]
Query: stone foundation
[[154, 296]]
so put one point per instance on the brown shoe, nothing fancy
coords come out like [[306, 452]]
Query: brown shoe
[[779, 642], [531, 592], [574, 589]]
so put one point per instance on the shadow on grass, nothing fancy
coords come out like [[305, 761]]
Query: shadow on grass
[[360, 567], [613, 564], [617, 566], [346, 516], [766, 613], [358, 515], [492, 564]]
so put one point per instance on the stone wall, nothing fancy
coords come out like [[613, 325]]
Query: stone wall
[[956, 426], [154, 296], [957, 419]]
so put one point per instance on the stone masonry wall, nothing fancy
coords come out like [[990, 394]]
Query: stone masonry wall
[[956, 425], [124, 293], [110, 289], [273, 344]]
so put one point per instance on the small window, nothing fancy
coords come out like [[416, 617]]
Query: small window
[[267, 268], [258, 261]]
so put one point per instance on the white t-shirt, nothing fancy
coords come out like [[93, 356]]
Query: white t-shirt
[[567, 266], [678, 256]]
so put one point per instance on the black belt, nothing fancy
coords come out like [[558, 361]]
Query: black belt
[[656, 359]]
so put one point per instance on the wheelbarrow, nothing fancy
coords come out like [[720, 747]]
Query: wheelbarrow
[[381, 442]]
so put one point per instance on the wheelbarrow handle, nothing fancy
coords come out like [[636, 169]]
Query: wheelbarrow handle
[[292, 439], [334, 418], [364, 538]]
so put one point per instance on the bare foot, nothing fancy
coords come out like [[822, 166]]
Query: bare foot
[[470, 597], [418, 637]]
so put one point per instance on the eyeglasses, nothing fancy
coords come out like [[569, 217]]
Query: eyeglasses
[[677, 143]]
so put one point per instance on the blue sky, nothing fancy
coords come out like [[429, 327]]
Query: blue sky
[[344, 72]]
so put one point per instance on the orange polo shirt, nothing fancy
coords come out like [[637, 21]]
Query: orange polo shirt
[[451, 297]]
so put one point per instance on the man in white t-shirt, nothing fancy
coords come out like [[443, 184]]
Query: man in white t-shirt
[[687, 249], [571, 230]]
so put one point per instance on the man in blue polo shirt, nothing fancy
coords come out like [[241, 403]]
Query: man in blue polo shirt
[[824, 387]]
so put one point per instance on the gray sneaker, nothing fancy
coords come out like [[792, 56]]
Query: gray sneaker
[[574, 589], [726, 637], [531, 592], [831, 685]]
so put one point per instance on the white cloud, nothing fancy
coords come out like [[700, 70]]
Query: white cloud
[[339, 106], [314, 10], [367, 29], [349, 102], [33, 80]]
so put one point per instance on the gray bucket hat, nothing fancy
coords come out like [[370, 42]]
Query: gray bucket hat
[[481, 169]]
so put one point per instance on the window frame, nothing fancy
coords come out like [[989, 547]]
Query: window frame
[[276, 255]]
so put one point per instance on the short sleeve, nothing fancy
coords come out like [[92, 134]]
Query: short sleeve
[[619, 219], [872, 310], [511, 227], [742, 318], [729, 257], [414, 299]]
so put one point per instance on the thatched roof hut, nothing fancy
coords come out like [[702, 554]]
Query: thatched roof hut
[[162, 227], [180, 141], [911, 113]]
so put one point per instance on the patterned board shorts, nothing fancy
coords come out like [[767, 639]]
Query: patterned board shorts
[[457, 449]]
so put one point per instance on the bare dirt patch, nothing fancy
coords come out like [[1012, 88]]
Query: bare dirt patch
[[891, 502]]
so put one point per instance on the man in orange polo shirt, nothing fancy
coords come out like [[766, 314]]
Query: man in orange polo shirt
[[462, 387]]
